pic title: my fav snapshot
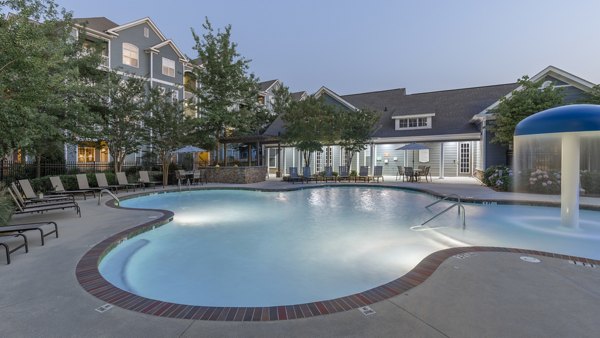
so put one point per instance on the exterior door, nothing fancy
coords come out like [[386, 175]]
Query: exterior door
[[464, 158]]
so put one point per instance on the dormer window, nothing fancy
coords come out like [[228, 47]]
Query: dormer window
[[410, 122], [131, 55]]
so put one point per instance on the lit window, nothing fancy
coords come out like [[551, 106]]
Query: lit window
[[168, 67], [86, 154], [130, 55]]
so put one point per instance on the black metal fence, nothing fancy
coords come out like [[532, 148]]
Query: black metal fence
[[10, 170]]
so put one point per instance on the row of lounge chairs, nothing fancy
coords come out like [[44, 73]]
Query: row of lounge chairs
[[8, 232], [343, 174]]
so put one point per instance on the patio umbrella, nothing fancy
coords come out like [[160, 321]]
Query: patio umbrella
[[413, 146], [189, 149]]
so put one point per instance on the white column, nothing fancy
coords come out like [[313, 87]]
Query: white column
[[373, 158], [569, 181], [441, 160]]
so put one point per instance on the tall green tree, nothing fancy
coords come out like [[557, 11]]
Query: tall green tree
[[532, 98], [282, 99], [41, 87], [168, 125], [119, 106], [224, 83], [310, 124], [355, 128], [593, 97]]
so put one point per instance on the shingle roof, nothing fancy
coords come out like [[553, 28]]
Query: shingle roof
[[453, 109], [100, 24], [266, 84], [298, 95]]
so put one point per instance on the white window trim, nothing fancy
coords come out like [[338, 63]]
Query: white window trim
[[164, 66], [131, 48], [406, 117]]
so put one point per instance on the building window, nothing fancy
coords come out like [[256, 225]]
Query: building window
[[86, 154], [261, 99], [168, 67], [413, 122], [318, 161], [146, 32], [175, 96], [130, 55], [328, 156]]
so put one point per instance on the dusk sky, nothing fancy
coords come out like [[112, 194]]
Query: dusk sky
[[360, 46]]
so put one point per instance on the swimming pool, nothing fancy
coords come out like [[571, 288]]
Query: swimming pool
[[251, 248]]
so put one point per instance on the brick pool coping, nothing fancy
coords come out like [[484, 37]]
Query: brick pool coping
[[91, 280]]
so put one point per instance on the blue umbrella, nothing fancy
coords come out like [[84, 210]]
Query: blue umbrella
[[413, 146]]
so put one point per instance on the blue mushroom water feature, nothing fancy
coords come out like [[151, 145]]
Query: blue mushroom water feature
[[560, 132]]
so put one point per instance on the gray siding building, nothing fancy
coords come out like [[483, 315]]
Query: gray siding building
[[452, 124], [136, 49]]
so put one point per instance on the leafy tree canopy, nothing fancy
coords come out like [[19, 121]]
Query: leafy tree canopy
[[593, 96], [169, 127], [119, 108], [40, 66], [311, 124], [530, 99], [227, 94]]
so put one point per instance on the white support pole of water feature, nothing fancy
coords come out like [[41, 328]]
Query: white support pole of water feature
[[569, 181]]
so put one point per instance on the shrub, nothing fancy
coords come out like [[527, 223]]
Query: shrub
[[544, 182], [498, 177], [6, 206], [590, 182]]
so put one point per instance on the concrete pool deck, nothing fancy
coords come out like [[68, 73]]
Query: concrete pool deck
[[481, 294]]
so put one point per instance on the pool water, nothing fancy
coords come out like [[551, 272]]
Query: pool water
[[252, 248]]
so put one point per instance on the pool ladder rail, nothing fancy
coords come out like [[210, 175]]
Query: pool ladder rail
[[110, 193], [457, 204]]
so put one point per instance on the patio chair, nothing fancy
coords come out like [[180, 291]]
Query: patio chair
[[19, 228], [307, 176], [400, 173], [7, 248], [103, 183], [36, 202], [123, 182], [343, 174], [426, 173], [363, 174], [378, 173], [329, 174], [83, 184], [294, 175], [181, 176], [60, 189], [199, 176], [21, 208], [145, 179], [409, 173], [29, 197]]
